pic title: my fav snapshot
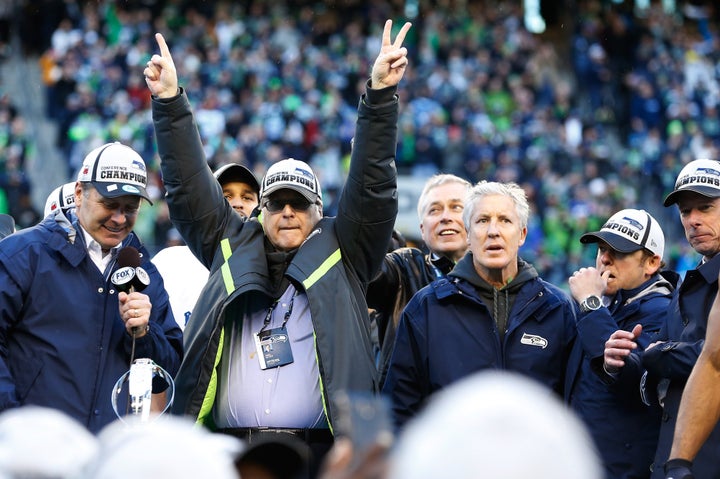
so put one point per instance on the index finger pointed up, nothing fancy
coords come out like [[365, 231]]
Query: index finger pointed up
[[164, 50], [386, 33]]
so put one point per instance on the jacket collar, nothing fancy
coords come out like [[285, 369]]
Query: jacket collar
[[465, 269]]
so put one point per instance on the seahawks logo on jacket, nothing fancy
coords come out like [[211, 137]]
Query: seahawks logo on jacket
[[534, 340]]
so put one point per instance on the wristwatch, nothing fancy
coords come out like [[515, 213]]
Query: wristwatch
[[591, 303]]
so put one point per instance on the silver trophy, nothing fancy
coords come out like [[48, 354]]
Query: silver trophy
[[139, 379]]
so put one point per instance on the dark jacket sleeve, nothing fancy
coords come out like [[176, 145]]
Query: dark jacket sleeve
[[197, 206], [651, 314], [368, 204], [594, 328], [383, 290], [673, 360], [406, 378], [10, 305]]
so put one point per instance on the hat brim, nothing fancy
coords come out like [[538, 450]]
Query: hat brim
[[616, 242], [239, 173], [309, 195], [116, 190], [708, 191]]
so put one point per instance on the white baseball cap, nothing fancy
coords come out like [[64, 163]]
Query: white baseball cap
[[62, 197], [115, 170], [630, 230], [701, 176], [292, 174]]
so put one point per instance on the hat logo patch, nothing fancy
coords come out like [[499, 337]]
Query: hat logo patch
[[624, 229], [709, 171], [138, 164], [111, 174], [130, 189], [300, 176], [702, 176], [633, 222]]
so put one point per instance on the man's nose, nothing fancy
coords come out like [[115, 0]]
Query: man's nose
[[493, 229], [605, 257]]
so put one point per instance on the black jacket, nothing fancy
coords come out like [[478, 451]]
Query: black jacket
[[402, 274], [333, 266]]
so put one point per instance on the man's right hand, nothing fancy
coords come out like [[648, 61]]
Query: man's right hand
[[160, 74], [587, 282]]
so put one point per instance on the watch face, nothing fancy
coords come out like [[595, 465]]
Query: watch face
[[593, 302]]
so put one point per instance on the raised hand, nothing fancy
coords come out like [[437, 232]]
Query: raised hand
[[160, 74], [587, 281], [389, 66]]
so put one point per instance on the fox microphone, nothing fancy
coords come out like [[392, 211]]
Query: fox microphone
[[129, 276]]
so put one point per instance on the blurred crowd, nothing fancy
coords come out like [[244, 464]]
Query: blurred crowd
[[596, 115]]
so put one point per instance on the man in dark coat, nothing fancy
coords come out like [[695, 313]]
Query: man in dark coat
[[664, 367]]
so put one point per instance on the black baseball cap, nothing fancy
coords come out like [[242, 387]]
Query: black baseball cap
[[236, 172]]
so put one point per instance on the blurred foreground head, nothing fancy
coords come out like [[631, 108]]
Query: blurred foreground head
[[43, 443], [170, 446], [495, 424]]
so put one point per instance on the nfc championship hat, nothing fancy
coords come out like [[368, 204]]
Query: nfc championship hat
[[239, 173], [630, 230], [701, 176], [292, 174], [62, 198], [115, 170]]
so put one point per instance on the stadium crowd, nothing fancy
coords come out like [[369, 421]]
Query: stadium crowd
[[596, 116]]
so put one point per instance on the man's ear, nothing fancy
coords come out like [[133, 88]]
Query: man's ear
[[652, 265]]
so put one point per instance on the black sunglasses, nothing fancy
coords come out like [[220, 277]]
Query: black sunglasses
[[298, 204]]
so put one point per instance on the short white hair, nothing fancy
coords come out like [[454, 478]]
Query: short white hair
[[432, 183], [495, 424], [490, 188]]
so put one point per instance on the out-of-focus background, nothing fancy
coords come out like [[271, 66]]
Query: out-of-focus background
[[591, 105]]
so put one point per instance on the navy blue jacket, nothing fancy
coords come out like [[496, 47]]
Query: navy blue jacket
[[625, 430], [663, 370], [63, 344], [447, 332], [669, 364]]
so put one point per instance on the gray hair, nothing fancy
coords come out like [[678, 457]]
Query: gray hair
[[435, 181], [488, 188]]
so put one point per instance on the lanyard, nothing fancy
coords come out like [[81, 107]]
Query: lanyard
[[268, 316]]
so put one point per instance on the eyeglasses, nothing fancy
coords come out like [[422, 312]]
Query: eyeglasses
[[298, 204]]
